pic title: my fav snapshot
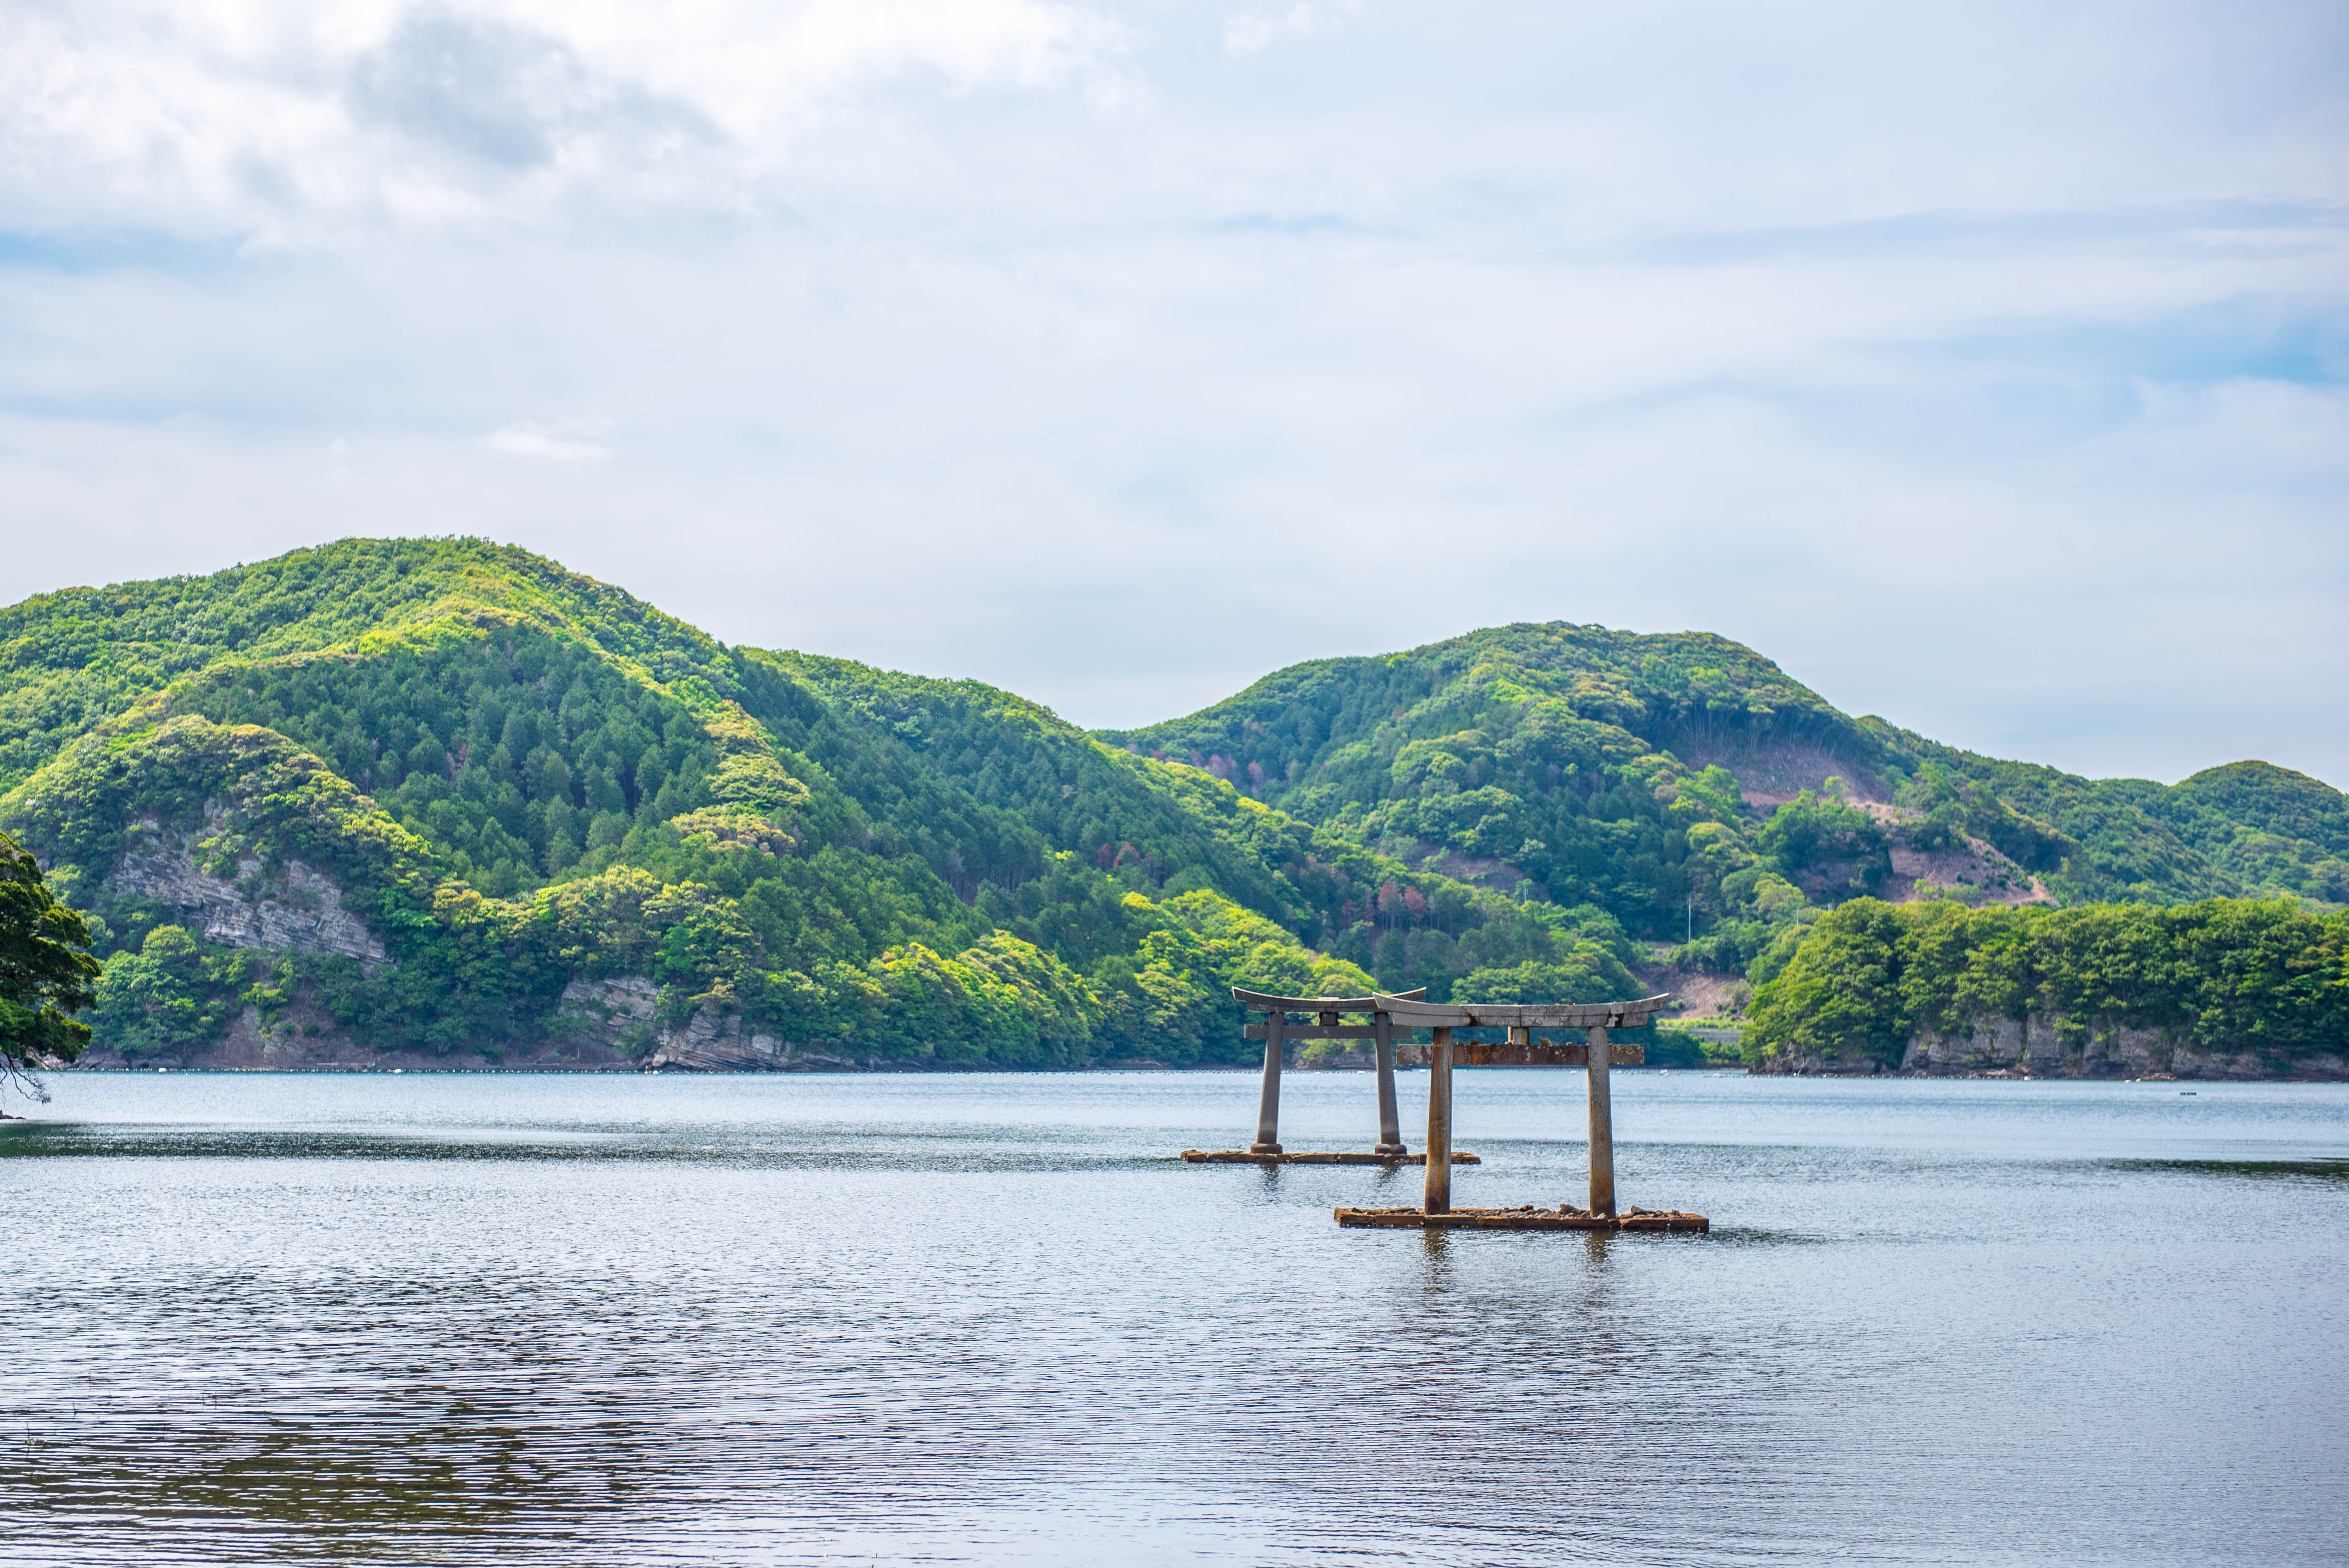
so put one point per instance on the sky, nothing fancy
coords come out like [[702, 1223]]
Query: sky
[[1984, 365]]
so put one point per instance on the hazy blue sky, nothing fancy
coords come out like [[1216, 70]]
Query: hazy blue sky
[[1984, 364]]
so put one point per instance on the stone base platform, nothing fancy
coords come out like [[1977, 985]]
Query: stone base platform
[[1525, 1219], [1242, 1157]]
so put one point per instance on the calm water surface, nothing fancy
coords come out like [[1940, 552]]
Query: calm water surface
[[767, 1320]]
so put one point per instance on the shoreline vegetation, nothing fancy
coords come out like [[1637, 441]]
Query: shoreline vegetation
[[442, 803], [2009, 1075]]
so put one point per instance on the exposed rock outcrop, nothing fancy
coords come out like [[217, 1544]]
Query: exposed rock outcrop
[[617, 1014], [303, 1037], [621, 1014], [725, 1044], [2044, 1046], [2051, 1047], [603, 1025], [291, 908]]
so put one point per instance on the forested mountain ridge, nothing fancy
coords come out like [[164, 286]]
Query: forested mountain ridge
[[1690, 789], [445, 797], [71, 658], [1571, 756]]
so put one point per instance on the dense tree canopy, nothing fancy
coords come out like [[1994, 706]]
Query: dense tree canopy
[[1603, 766], [2226, 974], [45, 976], [522, 780]]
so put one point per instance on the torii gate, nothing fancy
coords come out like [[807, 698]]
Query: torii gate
[[1521, 1049], [1276, 1032], [1410, 1010]]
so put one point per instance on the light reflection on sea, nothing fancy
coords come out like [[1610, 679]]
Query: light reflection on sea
[[428, 1319]]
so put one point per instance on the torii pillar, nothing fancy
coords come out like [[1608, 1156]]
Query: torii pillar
[[1602, 1125]]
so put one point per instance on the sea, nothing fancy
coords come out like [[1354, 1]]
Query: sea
[[426, 1318]]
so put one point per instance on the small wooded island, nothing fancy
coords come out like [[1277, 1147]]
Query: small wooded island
[[442, 803]]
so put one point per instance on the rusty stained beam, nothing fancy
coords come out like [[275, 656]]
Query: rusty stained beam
[[1263, 1002], [1411, 1015], [1537, 1054]]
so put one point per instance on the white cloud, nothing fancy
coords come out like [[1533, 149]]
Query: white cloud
[[577, 442], [1248, 32], [290, 122], [1958, 355]]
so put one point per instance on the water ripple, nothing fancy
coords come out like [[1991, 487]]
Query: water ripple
[[964, 1320]]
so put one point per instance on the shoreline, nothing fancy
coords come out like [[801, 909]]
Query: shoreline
[[595, 1070]]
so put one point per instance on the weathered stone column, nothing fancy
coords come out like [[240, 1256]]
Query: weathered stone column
[[1390, 1118], [1439, 1124], [1602, 1126], [1268, 1105]]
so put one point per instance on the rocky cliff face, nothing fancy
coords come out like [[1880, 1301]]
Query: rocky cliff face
[[621, 1014], [616, 1021], [305, 1038], [616, 1014], [608, 1024], [2050, 1047], [708, 1044], [294, 909]]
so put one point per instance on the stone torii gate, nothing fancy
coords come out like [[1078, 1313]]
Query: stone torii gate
[[1276, 1031], [1521, 1049], [1411, 1011], [1595, 1051]]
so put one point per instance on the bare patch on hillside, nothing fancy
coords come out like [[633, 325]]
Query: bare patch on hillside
[[1774, 772], [1476, 870], [1975, 874], [1700, 995]]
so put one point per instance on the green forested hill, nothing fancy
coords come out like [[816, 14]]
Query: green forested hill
[[1636, 772], [515, 781], [1686, 786], [445, 796]]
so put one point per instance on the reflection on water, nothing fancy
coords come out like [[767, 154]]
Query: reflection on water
[[989, 1319], [2320, 1170]]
